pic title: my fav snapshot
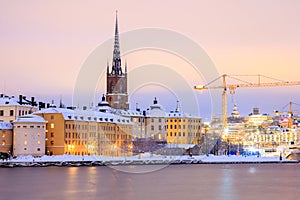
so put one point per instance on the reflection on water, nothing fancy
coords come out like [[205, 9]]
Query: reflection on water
[[184, 182]]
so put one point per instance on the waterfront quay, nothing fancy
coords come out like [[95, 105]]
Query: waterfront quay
[[76, 161]]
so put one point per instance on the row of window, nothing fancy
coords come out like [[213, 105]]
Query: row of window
[[38, 142], [12, 113], [183, 126], [179, 134], [91, 127], [189, 120], [38, 149], [159, 127], [31, 126], [38, 134]]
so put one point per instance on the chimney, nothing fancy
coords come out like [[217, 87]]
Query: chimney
[[20, 99], [32, 101], [41, 105]]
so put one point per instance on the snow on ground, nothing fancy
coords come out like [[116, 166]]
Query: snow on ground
[[147, 157]]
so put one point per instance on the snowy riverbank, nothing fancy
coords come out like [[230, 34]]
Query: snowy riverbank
[[69, 160]]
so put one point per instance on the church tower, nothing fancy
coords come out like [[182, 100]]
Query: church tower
[[116, 79]]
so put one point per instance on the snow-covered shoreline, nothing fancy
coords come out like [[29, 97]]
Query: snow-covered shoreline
[[145, 159]]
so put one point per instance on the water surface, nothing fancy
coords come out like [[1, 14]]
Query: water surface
[[184, 182]]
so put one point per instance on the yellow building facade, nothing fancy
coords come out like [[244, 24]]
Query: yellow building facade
[[183, 128]]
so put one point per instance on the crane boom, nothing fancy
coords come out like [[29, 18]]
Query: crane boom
[[233, 87]]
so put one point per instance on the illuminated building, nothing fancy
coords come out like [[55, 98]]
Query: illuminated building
[[86, 132], [6, 136], [183, 128], [29, 136]]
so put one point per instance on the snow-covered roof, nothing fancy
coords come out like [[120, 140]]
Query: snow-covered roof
[[8, 101], [87, 115], [131, 113], [13, 101], [6, 126], [30, 119], [181, 115]]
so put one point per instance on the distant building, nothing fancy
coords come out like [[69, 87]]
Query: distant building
[[116, 92], [149, 124], [257, 119], [6, 136], [11, 107], [29, 136], [86, 132], [183, 128]]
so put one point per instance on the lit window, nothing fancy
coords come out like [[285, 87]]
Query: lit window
[[25, 134], [3, 142], [3, 135], [39, 134], [39, 142], [25, 142], [51, 125]]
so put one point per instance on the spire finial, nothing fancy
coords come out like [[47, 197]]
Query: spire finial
[[155, 101], [177, 107], [116, 52]]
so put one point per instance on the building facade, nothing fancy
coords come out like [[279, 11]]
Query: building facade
[[149, 124], [11, 107], [86, 132], [183, 128], [29, 136], [6, 137]]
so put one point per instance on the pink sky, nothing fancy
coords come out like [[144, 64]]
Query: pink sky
[[44, 43]]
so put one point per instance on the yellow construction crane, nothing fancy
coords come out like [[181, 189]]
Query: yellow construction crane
[[232, 87]]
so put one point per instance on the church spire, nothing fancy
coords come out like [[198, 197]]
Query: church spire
[[116, 52]]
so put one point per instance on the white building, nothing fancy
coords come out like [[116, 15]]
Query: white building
[[150, 123], [11, 107], [29, 136]]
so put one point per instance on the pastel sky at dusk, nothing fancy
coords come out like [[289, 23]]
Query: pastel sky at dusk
[[44, 43]]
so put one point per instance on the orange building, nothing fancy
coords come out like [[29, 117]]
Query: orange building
[[86, 132], [6, 137]]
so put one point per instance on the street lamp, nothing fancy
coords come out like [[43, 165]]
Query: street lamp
[[206, 128]]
